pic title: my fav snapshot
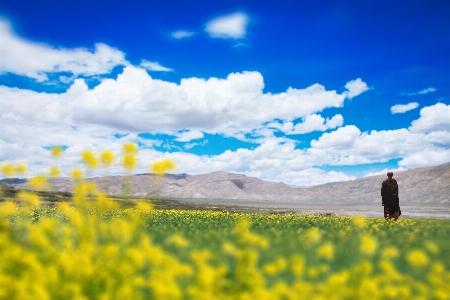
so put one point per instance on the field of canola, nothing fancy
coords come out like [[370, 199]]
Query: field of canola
[[95, 250], [90, 248]]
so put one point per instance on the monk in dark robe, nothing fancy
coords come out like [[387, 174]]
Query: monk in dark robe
[[390, 201]]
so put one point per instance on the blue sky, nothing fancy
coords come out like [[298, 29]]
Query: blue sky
[[304, 92]]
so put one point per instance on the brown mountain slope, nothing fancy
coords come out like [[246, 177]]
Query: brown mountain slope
[[418, 186]]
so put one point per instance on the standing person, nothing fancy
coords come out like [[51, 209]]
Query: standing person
[[390, 201]]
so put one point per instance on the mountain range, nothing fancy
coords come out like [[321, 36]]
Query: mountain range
[[421, 186]]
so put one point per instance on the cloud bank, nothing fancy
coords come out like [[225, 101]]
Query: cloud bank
[[36, 60], [137, 102]]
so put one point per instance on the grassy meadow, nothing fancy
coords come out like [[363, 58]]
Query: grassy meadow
[[89, 246]]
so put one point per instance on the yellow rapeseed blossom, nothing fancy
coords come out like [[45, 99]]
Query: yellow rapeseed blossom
[[104, 203], [130, 147], [162, 166], [432, 247], [21, 168], [89, 158], [417, 258], [7, 208], [56, 151], [276, 267], [368, 245], [326, 251], [38, 182], [76, 174], [144, 206], [29, 198], [107, 157], [54, 171], [313, 235], [8, 170], [359, 222], [177, 240], [129, 161], [390, 252], [298, 264]]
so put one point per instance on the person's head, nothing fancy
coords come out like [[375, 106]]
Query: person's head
[[390, 174]]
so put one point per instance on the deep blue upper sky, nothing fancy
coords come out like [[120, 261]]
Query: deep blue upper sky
[[398, 48]]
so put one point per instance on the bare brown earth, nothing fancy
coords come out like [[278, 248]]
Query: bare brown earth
[[424, 192]]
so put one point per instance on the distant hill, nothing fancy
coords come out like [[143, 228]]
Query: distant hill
[[418, 186], [12, 181]]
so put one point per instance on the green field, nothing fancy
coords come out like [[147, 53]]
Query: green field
[[96, 249]]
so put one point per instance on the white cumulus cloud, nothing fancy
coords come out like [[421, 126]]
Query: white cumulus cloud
[[356, 87], [136, 102], [343, 137], [426, 158], [432, 118], [402, 108], [36, 60], [233, 26]]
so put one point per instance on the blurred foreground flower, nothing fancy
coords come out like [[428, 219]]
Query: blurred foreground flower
[[38, 182], [29, 198], [21, 168], [162, 166], [56, 151], [76, 174], [130, 147], [129, 161], [417, 258], [8, 170], [107, 157], [54, 172], [368, 245], [89, 159]]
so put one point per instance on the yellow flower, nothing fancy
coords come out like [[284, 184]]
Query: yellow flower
[[359, 222], [8, 170], [390, 252], [54, 171], [107, 157], [160, 167], [297, 264], [7, 208], [21, 168], [130, 147], [144, 206], [29, 198], [313, 235], [38, 182], [276, 267], [177, 240], [56, 151], [89, 158], [417, 258], [104, 203], [368, 245], [129, 161], [326, 251], [432, 247], [76, 174]]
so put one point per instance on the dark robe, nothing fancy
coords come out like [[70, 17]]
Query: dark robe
[[390, 200]]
